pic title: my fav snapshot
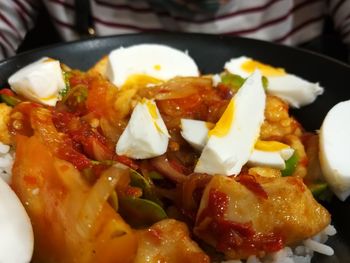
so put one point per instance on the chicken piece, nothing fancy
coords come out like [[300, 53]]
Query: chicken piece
[[5, 111], [277, 122], [100, 67], [314, 172], [254, 215], [168, 241]]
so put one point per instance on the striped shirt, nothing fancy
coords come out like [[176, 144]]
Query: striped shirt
[[289, 22]]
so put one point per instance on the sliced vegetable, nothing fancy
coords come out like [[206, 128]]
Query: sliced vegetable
[[137, 180], [103, 162], [265, 82], [66, 76], [318, 188], [291, 165], [140, 212], [76, 97], [9, 100], [232, 81], [9, 97], [321, 191], [114, 201], [155, 176]]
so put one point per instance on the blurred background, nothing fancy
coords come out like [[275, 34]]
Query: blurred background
[[45, 33]]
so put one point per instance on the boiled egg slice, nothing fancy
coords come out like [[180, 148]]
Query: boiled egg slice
[[270, 153], [195, 132], [232, 140], [40, 81], [334, 149], [16, 238], [293, 89], [156, 61], [266, 153], [146, 135]]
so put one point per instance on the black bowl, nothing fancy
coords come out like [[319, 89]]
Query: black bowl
[[211, 52]]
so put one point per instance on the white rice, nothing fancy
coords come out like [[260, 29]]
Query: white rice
[[216, 80], [6, 162], [299, 254]]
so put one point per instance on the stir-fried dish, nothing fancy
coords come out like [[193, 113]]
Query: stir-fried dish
[[183, 168]]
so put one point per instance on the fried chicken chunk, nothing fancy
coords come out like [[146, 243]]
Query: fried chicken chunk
[[253, 215], [4, 119], [168, 241]]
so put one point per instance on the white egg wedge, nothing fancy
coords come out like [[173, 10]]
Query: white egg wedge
[[232, 140], [158, 61], [195, 132], [266, 153], [146, 135], [270, 153], [40, 81], [334, 149], [294, 90], [16, 238]]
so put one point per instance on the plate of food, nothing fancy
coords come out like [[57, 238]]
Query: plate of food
[[174, 148]]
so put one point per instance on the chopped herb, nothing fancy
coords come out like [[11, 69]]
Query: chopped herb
[[66, 76], [265, 82], [9, 100], [321, 191], [291, 165], [233, 81]]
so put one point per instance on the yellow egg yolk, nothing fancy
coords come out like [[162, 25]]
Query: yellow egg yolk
[[157, 67], [152, 109], [223, 126], [209, 125], [48, 98], [270, 146], [49, 60], [266, 70], [140, 81]]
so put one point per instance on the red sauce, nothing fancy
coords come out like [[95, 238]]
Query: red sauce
[[249, 181], [127, 161], [155, 235], [31, 181], [20, 122], [230, 235], [7, 92], [177, 166], [304, 161], [66, 152], [85, 139], [298, 182]]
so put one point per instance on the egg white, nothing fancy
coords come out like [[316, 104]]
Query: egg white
[[195, 132], [158, 61], [16, 238], [146, 135], [40, 81], [334, 149], [226, 154], [295, 90]]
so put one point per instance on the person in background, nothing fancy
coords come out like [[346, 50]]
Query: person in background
[[290, 22]]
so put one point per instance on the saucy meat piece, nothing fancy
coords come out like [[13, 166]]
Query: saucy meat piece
[[168, 241], [277, 122], [4, 119], [258, 215]]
